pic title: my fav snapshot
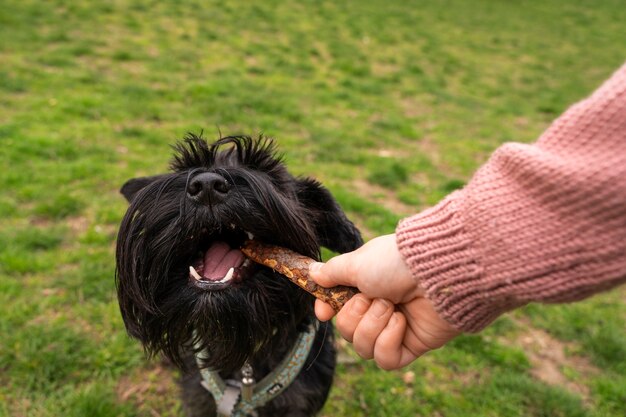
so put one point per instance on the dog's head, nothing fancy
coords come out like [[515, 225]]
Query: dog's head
[[181, 278]]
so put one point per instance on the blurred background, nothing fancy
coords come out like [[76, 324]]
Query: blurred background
[[391, 104]]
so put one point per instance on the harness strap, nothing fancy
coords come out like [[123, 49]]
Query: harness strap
[[267, 389]]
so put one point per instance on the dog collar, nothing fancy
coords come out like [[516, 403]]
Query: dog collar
[[241, 398]]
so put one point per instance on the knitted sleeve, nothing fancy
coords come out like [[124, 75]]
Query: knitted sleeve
[[543, 222]]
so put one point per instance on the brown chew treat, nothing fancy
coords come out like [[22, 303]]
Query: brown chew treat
[[296, 267]]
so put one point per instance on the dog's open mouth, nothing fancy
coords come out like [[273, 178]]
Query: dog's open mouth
[[220, 263]]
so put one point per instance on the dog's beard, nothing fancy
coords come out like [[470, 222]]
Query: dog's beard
[[233, 325], [163, 234], [256, 319]]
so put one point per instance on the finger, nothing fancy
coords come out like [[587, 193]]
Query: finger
[[351, 314], [425, 329], [337, 271], [323, 311], [388, 349], [370, 327], [406, 356]]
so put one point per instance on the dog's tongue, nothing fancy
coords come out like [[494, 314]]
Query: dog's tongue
[[219, 258]]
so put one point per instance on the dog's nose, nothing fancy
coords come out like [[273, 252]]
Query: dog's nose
[[208, 187]]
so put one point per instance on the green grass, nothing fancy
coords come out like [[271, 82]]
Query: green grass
[[392, 105]]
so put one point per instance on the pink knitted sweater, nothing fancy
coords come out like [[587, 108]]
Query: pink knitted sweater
[[542, 222]]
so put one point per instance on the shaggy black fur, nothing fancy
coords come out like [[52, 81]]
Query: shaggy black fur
[[172, 220]]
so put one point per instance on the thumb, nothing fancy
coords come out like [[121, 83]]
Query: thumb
[[337, 271]]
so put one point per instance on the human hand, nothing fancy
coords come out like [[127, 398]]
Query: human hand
[[390, 321]]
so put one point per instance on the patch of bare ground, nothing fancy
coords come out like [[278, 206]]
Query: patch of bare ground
[[413, 107], [64, 315], [383, 69], [549, 358], [151, 388], [390, 153], [78, 225], [427, 146], [382, 196], [19, 407]]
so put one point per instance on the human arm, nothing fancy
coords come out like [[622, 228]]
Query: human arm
[[544, 222]]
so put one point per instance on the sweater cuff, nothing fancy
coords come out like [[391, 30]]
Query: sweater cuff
[[438, 250]]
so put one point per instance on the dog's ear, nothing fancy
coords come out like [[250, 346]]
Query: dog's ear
[[334, 230], [133, 186]]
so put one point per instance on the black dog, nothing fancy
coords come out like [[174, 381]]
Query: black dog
[[185, 289]]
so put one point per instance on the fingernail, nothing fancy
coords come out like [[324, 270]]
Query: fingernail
[[380, 307], [315, 267], [359, 307]]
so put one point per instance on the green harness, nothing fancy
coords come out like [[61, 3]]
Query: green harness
[[241, 398]]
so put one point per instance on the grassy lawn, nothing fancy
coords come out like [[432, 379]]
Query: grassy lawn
[[391, 104]]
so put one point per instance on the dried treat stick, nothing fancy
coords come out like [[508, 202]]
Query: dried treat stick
[[296, 267]]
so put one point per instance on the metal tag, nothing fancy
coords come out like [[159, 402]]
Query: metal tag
[[247, 382]]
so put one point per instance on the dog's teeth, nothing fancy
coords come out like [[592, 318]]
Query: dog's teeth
[[232, 226], [228, 275], [250, 235], [194, 273]]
